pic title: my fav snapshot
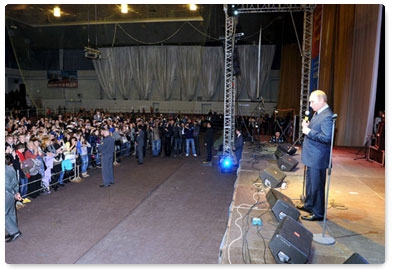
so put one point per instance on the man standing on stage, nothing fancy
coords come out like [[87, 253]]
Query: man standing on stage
[[316, 155]]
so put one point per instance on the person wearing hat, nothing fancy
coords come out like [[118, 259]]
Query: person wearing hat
[[106, 150]]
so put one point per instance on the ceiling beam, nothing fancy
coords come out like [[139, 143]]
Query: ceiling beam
[[129, 21]]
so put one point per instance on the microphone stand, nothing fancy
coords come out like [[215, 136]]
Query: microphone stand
[[321, 238]]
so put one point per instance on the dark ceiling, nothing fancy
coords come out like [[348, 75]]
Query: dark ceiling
[[33, 26]]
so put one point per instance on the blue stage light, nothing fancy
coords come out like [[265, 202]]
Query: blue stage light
[[226, 163]]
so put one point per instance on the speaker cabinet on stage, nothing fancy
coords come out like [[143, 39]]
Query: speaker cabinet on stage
[[355, 258], [376, 155], [281, 205], [291, 242], [285, 148], [272, 177], [287, 163]]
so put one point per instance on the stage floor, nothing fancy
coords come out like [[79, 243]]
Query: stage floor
[[355, 212]]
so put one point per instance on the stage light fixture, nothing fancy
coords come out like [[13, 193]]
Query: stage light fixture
[[192, 7], [56, 12], [226, 163], [124, 8], [232, 10]]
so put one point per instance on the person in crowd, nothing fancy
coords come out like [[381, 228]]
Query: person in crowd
[[11, 194], [53, 160], [196, 135], [9, 141], [316, 154], [22, 139], [155, 136], [95, 140], [168, 131], [140, 144], [34, 181], [238, 146], [377, 120], [98, 116], [189, 141], [177, 138], [209, 141], [106, 150], [84, 157], [118, 142], [277, 138], [23, 179], [125, 145]]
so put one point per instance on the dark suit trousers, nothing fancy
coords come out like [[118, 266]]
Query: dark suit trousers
[[315, 191]]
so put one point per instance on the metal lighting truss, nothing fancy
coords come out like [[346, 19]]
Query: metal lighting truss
[[306, 65], [229, 92]]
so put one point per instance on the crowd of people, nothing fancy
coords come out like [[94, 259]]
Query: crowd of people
[[50, 151]]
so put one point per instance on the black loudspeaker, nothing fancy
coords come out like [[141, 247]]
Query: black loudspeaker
[[281, 205], [272, 177], [291, 242], [285, 148], [287, 163], [356, 259]]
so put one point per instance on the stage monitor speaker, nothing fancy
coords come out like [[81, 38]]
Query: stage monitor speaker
[[285, 148], [287, 163], [281, 205], [272, 177], [355, 258], [291, 242]]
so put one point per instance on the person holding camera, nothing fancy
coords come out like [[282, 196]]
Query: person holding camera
[[189, 140]]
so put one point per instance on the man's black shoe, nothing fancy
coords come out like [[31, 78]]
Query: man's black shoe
[[312, 217], [7, 236], [14, 237], [104, 186], [302, 207]]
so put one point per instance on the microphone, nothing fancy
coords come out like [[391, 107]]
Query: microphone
[[334, 116], [307, 113]]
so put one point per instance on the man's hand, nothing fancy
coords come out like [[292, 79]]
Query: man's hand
[[305, 129]]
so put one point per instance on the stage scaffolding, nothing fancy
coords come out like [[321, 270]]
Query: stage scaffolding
[[230, 81]]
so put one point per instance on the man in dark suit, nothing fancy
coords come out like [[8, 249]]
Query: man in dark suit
[[107, 149], [209, 141], [238, 145], [315, 155]]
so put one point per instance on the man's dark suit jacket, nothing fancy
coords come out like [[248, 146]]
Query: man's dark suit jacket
[[317, 144]]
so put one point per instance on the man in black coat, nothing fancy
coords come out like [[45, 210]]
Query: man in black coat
[[209, 141], [107, 149], [238, 145]]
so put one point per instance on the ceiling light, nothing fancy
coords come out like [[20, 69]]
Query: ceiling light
[[56, 12], [192, 7], [124, 8]]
